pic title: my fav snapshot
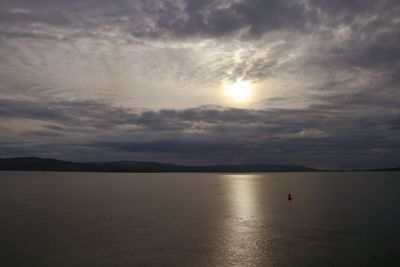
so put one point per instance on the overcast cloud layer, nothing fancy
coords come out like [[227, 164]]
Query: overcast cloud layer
[[142, 80]]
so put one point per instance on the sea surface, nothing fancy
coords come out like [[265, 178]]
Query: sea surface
[[192, 219]]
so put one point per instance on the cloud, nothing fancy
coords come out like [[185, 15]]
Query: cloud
[[212, 134], [142, 79]]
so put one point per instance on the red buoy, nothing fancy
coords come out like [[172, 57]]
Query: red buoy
[[290, 197]]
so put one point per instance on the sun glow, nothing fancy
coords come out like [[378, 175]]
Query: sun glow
[[239, 90]]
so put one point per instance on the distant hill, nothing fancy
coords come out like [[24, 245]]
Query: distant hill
[[41, 164]]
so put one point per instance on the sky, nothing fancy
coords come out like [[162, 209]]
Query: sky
[[97, 80]]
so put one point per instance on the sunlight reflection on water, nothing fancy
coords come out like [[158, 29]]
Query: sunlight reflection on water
[[241, 226]]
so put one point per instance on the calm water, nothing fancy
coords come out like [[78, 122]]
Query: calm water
[[104, 219]]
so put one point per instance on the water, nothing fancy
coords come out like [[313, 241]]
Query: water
[[106, 219]]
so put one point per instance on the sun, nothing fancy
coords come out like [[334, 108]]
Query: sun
[[239, 90]]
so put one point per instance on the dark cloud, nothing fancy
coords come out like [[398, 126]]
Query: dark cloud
[[24, 16], [191, 18], [160, 18], [194, 17], [171, 146], [209, 18], [349, 137], [371, 40]]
